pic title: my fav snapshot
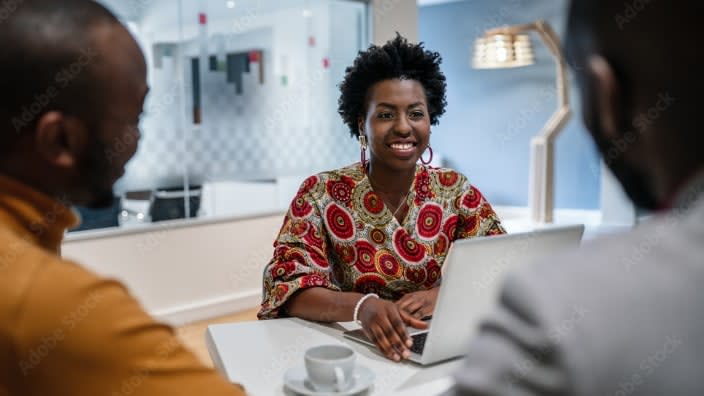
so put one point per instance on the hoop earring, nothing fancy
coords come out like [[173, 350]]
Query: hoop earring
[[363, 152], [424, 162]]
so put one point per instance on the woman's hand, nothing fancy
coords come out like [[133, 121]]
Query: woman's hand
[[419, 304], [385, 324]]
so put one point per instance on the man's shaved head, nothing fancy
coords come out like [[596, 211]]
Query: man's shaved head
[[638, 63], [72, 88], [650, 41], [49, 62]]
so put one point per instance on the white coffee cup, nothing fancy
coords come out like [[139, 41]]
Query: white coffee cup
[[330, 367]]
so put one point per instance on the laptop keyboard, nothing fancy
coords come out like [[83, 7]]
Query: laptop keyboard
[[419, 342]]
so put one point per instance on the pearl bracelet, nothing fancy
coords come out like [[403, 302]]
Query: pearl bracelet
[[359, 304]]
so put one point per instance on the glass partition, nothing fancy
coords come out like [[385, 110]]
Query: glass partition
[[242, 106]]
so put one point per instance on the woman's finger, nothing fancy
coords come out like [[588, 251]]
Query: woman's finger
[[409, 320], [383, 343], [404, 301], [413, 307], [399, 328], [397, 340]]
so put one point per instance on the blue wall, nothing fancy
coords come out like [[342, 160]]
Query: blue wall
[[492, 114]]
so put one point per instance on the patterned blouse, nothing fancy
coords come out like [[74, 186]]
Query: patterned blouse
[[340, 235]]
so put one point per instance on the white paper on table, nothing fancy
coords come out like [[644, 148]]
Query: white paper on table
[[349, 325]]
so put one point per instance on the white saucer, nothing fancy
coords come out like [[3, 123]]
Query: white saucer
[[296, 380]]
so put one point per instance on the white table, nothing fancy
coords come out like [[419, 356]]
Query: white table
[[257, 354]]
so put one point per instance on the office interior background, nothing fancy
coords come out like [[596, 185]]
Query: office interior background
[[243, 107]]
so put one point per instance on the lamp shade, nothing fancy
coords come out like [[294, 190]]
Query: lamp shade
[[502, 51]]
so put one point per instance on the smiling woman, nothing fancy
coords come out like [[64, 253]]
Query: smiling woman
[[379, 228]]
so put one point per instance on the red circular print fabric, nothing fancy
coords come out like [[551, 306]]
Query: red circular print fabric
[[369, 207], [280, 291], [339, 234], [340, 190], [450, 227], [457, 204], [318, 259], [417, 275], [308, 185], [372, 203], [378, 236], [407, 248], [295, 254], [370, 283], [339, 222], [441, 245], [472, 198], [314, 280], [387, 264], [300, 207], [285, 268], [470, 224], [487, 212], [423, 191], [448, 178], [433, 273], [429, 221], [365, 256], [299, 227], [314, 237], [346, 253]]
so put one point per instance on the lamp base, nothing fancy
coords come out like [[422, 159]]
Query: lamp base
[[540, 198]]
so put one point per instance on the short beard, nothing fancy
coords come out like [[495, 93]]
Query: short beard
[[634, 182], [96, 174]]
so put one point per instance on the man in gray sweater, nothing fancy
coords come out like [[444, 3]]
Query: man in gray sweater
[[622, 316]]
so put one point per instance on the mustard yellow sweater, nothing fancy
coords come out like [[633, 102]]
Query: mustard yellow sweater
[[66, 331]]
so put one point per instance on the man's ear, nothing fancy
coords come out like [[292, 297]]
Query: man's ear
[[607, 98], [60, 139]]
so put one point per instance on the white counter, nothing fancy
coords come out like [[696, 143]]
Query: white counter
[[187, 270]]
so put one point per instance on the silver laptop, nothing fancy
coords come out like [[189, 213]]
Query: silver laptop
[[472, 275]]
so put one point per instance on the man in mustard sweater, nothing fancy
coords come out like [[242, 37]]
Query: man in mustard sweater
[[72, 87]]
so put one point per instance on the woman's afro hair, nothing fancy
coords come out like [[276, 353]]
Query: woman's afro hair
[[397, 59]]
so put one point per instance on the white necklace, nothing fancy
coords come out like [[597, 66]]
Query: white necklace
[[401, 203]]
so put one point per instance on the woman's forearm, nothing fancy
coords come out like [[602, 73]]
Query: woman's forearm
[[323, 305]]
